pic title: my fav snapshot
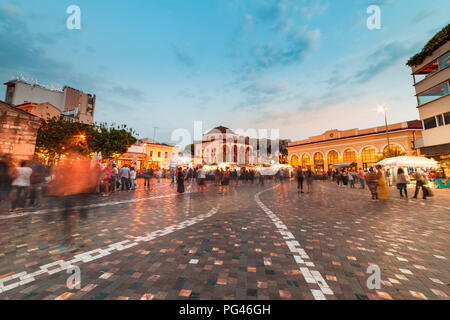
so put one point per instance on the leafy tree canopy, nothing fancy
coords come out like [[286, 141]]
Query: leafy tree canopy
[[58, 137], [437, 41]]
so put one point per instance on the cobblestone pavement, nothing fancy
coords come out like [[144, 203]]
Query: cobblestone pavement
[[243, 242]]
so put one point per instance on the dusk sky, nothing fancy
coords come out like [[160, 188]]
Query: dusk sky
[[303, 67]]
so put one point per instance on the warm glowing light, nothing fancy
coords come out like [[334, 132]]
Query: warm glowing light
[[382, 108]]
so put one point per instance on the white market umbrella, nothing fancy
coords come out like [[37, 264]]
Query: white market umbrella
[[409, 161]]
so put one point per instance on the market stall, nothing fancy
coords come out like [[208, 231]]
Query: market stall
[[410, 163]]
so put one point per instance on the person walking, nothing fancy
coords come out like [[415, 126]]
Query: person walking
[[361, 178], [371, 178], [180, 180], [147, 177], [420, 183], [382, 189], [133, 176], [5, 178], [309, 180], [125, 177], [37, 179], [338, 177], [351, 179], [114, 178], [402, 182], [107, 175], [20, 185], [201, 178], [261, 177], [344, 177], [300, 178]]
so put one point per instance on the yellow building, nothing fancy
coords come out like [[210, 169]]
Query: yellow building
[[145, 155], [363, 147]]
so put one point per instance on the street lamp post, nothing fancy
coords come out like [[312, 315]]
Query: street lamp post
[[383, 109]]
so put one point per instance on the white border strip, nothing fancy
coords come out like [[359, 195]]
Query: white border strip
[[300, 256], [23, 278]]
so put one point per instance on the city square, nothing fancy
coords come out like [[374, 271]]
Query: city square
[[225, 158], [229, 244]]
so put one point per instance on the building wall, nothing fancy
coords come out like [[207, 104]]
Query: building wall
[[441, 134], [66, 100], [24, 93], [152, 154], [18, 131], [404, 139], [43, 110]]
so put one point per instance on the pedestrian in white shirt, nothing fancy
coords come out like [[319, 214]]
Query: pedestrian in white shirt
[[133, 178], [20, 185]]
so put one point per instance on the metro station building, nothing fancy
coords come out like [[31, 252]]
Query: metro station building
[[364, 147]]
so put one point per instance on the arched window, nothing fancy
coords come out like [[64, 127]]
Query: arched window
[[349, 155], [295, 161], [369, 157], [393, 150], [318, 162], [333, 158], [306, 160]]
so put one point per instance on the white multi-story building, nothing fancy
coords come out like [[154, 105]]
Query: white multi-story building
[[71, 102], [431, 73]]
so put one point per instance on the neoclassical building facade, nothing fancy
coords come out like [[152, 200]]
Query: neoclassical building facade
[[221, 144], [363, 147]]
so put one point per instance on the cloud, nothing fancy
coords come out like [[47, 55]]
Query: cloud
[[9, 11], [298, 46], [423, 15], [262, 88], [317, 8], [385, 57], [130, 93], [183, 57]]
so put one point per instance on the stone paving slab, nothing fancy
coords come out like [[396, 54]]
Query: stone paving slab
[[237, 252]]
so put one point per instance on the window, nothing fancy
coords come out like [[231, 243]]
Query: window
[[349, 156], [429, 123], [318, 162], [440, 120], [151, 153], [447, 118], [294, 161], [393, 150], [369, 157], [434, 93], [444, 61], [166, 155], [306, 159], [333, 158], [159, 154], [9, 95]]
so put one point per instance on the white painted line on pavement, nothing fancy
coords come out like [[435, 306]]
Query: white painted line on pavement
[[300, 256], [60, 265]]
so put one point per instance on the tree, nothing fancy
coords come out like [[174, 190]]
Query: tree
[[391, 153], [111, 141], [58, 137], [436, 42]]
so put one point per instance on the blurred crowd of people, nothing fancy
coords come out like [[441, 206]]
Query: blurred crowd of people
[[26, 183], [376, 179]]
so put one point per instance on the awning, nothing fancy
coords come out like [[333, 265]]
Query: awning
[[345, 165], [405, 161]]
